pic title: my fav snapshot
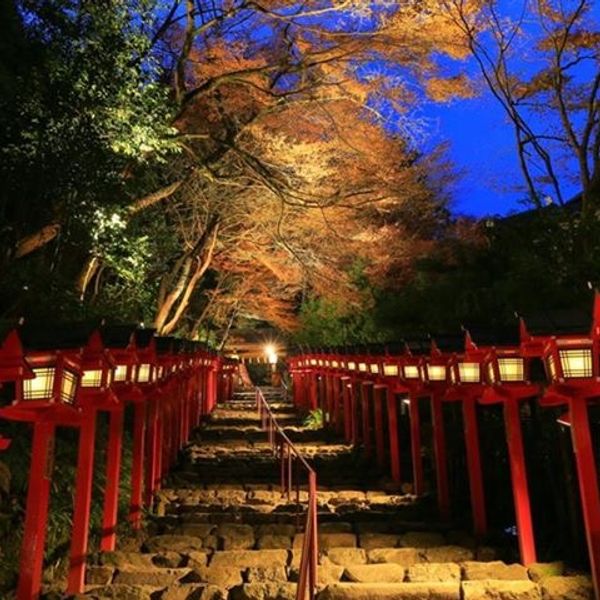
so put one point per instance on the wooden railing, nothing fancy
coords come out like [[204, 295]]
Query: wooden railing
[[291, 462]]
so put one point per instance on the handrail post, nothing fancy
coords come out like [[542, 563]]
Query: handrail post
[[282, 445]]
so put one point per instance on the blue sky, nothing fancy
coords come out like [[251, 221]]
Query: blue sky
[[481, 145]]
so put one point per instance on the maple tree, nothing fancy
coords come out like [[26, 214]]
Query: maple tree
[[286, 160], [299, 125]]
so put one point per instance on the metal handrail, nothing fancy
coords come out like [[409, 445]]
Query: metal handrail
[[287, 452]]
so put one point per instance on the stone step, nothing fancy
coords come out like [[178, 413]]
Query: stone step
[[223, 531], [173, 563]]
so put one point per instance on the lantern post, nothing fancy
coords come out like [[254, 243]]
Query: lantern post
[[389, 384], [94, 394], [412, 385], [467, 387], [121, 343], [572, 366], [379, 388], [364, 382], [338, 398], [435, 386], [507, 376], [46, 397]]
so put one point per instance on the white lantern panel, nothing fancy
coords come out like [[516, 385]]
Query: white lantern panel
[[436, 372], [375, 369], [362, 367], [143, 373], [92, 378], [68, 387], [468, 372], [120, 373], [411, 372], [390, 370], [352, 366], [576, 363], [511, 369], [41, 386]]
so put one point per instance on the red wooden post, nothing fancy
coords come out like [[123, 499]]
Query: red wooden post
[[518, 472], [588, 482], [152, 450], [304, 390], [392, 407], [83, 502], [113, 475], [328, 397], [471, 430], [354, 400], [137, 466], [441, 465], [379, 432], [366, 418], [415, 444], [36, 511], [347, 400], [314, 394], [160, 436], [338, 404]]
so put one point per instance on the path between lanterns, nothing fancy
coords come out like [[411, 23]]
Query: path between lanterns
[[222, 530]]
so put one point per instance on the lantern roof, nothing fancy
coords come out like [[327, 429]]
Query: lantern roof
[[119, 336], [144, 337], [417, 346], [448, 343], [56, 336], [486, 338], [165, 345]]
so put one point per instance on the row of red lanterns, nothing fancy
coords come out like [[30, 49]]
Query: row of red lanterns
[[62, 376], [474, 374]]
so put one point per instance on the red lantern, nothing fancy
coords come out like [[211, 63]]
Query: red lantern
[[465, 372], [94, 394], [572, 366], [506, 372], [46, 400]]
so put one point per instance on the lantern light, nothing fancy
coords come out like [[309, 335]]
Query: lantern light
[[91, 378], [511, 369], [390, 370], [144, 373], [41, 385], [436, 372], [576, 363], [411, 371], [469, 372]]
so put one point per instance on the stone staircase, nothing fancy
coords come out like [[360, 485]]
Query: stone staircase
[[223, 531]]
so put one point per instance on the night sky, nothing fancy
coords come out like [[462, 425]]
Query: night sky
[[481, 146]]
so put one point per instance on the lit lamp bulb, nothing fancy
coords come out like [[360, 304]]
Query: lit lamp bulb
[[271, 353]]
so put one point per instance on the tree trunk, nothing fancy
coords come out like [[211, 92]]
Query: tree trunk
[[36, 240], [92, 264], [187, 275]]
